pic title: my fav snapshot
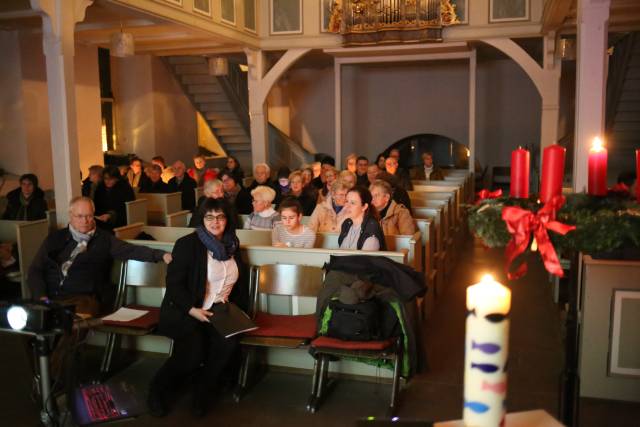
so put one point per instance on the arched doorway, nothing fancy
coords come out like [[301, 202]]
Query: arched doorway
[[447, 152]]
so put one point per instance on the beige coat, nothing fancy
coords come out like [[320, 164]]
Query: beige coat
[[398, 220], [324, 218]]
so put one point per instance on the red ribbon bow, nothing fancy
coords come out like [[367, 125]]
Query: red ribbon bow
[[486, 194], [521, 223]]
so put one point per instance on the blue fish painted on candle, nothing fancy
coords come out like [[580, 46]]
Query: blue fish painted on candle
[[487, 348], [495, 317], [487, 368], [477, 407]]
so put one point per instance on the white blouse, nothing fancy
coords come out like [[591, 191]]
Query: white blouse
[[221, 276]]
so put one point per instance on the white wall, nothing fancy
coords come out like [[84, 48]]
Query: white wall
[[154, 117], [382, 104], [25, 143]]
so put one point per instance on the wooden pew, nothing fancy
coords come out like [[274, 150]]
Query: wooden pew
[[136, 211], [243, 218], [260, 255], [28, 236], [440, 252], [52, 219], [159, 205]]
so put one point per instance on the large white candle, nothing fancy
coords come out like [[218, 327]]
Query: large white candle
[[486, 350]]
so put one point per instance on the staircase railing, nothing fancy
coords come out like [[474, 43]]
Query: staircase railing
[[236, 88], [618, 65], [284, 151]]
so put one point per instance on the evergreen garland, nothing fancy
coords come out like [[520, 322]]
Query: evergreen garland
[[603, 224]]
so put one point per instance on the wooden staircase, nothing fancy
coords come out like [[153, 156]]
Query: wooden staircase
[[624, 115], [209, 97]]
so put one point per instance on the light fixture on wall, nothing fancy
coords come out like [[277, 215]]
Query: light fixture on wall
[[568, 49], [122, 44], [218, 66]]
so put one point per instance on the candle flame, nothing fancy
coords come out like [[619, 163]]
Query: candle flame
[[597, 145], [534, 245], [487, 278]]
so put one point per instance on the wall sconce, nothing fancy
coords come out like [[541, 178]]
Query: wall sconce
[[218, 66]]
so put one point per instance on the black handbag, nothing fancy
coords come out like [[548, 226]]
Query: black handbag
[[354, 322]]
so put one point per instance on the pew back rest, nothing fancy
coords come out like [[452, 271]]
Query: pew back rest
[[289, 279], [254, 237], [136, 211], [139, 275], [28, 236], [163, 202], [242, 218]]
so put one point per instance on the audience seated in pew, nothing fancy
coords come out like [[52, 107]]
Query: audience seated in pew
[[261, 174], [326, 163], [361, 229], [393, 172], [282, 185], [90, 184], [399, 195], [154, 184], [297, 191], [136, 175], [233, 168], [350, 162], [380, 162], [394, 217], [329, 215], [230, 187], [206, 271], [110, 197], [348, 178], [167, 171], [26, 203], [362, 165], [184, 184], [330, 175], [428, 170], [289, 231], [212, 189], [200, 173], [263, 216]]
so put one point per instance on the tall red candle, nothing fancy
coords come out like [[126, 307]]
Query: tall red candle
[[519, 173], [638, 175], [597, 183], [552, 172]]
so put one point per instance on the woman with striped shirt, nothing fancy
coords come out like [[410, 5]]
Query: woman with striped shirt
[[290, 232]]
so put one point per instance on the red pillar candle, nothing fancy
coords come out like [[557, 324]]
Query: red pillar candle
[[597, 183], [519, 173], [638, 175], [552, 172]]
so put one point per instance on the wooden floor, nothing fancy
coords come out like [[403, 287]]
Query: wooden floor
[[536, 358]]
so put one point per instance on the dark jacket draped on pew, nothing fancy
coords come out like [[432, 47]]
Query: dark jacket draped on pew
[[394, 282]]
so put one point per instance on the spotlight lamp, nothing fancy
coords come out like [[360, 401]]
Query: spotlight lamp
[[17, 317]]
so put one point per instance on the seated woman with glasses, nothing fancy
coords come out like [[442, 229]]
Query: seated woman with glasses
[[205, 271], [361, 230], [263, 216], [328, 215], [290, 232]]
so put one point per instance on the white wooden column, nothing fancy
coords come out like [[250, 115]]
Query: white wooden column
[[59, 18], [260, 83], [591, 83], [257, 110], [552, 66], [472, 109], [337, 90]]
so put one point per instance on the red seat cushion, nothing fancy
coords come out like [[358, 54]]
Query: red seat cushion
[[335, 343], [278, 325], [147, 321]]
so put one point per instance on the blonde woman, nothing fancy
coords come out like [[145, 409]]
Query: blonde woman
[[329, 215], [348, 178], [263, 216]]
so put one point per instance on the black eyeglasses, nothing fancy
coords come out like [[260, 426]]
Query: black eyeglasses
[[215, 218]]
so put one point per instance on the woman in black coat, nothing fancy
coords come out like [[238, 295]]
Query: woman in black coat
[[110, 197], [206, 271], [27, 202]]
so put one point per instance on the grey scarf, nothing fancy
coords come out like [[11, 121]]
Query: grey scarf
[[82, 240]]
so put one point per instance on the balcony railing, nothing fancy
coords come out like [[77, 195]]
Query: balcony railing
[[364, 22]]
